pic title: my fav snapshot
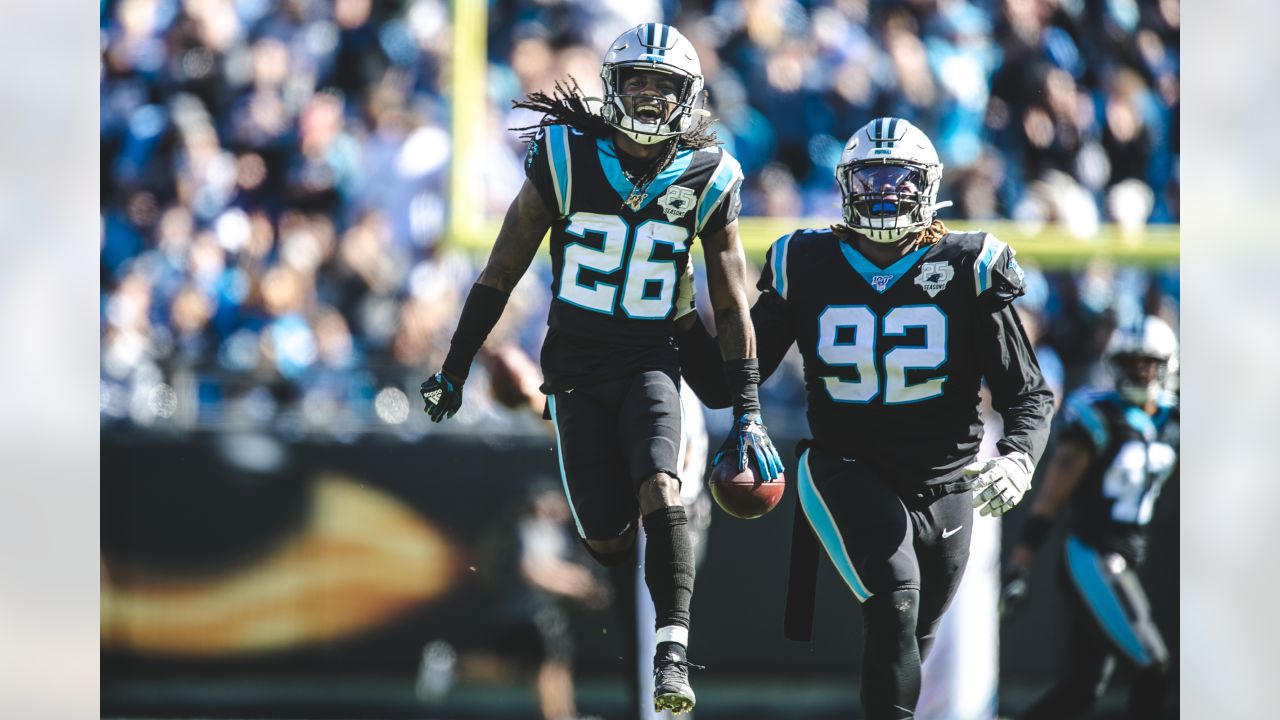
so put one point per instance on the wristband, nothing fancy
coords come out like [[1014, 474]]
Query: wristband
[[480, 313], [744, 383]]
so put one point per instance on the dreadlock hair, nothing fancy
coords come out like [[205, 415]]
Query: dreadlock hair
[[568, 105], [929, 236]]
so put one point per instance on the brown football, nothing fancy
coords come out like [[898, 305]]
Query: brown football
[[744, 494]]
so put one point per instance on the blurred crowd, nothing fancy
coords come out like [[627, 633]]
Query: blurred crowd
[[275, 172]]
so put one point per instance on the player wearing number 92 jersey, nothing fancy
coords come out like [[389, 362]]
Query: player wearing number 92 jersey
[[616, 258], [898, 321]]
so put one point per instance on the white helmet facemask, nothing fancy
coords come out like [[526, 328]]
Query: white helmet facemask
[[652, 47], [888, 176]]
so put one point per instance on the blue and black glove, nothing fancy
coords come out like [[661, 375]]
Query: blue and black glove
[[749, 435], [442, 396]]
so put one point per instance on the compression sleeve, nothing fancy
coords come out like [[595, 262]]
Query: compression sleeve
[[479, 314]]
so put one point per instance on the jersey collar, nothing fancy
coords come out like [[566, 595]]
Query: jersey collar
[[880, 279], [618, 179]]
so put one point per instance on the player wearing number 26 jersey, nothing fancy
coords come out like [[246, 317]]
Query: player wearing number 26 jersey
[[898, 322], [624, 189], [616, 256], [1116, 450]]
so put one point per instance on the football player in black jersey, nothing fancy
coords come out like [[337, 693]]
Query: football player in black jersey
[[623, 190], [898, 321], [1116, 450]]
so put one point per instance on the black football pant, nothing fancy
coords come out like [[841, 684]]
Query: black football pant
[[1110, 618], [901, 554]]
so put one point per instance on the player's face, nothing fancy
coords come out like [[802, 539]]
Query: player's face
[[649, 96], [888, 185], [1140, 370]]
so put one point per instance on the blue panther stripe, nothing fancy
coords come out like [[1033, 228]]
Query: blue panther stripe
[[564, 479], [991, 250], [561, 165], [1087, 574], [824, 526], [727, 173], [780, 247], [1080, 409]]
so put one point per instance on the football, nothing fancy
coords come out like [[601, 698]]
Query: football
[[744, 494]]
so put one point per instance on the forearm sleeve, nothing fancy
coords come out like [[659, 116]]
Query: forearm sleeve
[[479, 314], [1018, 390]]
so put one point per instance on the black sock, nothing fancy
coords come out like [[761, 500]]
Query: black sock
[[668, 565]]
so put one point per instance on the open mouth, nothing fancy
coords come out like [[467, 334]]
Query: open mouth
[[648, 112]]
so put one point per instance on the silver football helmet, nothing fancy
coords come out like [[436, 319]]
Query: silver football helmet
[[656, 48], [1151, 339], [888, 177]]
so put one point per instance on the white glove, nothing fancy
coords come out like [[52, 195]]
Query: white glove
[[1000, 483]]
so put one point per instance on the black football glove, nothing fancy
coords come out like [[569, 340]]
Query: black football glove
[[442, 396], [750, 435], [1014, 589]]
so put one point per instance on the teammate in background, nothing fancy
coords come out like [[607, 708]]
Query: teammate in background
[[898, 321], [623, 191], [1114, 454]]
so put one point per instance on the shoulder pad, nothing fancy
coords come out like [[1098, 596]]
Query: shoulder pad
[[997, 277], [555, 144], [726, 176], [773, 276], [1082, 410]]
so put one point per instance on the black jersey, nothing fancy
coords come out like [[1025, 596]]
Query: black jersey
[[894, 357], [1133, 453], [616, 263]]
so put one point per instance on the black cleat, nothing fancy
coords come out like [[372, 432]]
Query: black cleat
[[671, 689]]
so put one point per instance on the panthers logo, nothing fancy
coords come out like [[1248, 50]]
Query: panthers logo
[[677, 201]]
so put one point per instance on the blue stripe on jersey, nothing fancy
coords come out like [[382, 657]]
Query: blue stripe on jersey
[[1080, 408], [727, 172], [561, 167], [1086, 572], [608, 155], [780, 264], [875, 276], [824, 526], [991, 249], [564, 479]]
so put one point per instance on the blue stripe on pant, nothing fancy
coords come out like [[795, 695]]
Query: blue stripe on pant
[[1085, 568], [824, 526]]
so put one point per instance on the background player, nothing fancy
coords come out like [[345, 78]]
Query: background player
[[898, 321], [1115, 452], [623, 191]]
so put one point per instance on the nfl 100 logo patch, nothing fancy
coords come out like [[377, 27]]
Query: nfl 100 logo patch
[[934, 276], [880, 282], [677, 201]]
